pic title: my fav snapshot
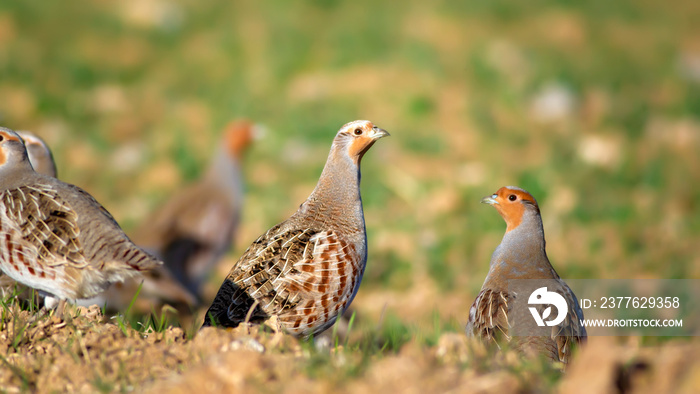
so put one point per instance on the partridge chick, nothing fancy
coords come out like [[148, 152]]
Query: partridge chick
[[306, 270], [521, 255], [195, 228], [54, 236]]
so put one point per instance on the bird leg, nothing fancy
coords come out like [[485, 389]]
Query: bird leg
[[276, 325], [250, 314], [60, 308]]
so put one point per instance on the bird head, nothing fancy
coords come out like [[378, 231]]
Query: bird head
[[12, 149], [238, 136], [512, 203], [357, 137], [39, 153]]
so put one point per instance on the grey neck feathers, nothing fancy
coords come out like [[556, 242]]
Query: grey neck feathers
[[336, 197], [224, 172], [16, 165], [523, 243]]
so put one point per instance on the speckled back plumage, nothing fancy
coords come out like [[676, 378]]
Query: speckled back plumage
[[522, 255], [307, 269], [54, 236]]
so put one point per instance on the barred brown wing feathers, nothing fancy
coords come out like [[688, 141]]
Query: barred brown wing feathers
[[570, 331], [325, 272], [304, 276], [102, 241], [46, 224], [262, 270], [488, 316], [232, 301], [488, 319], [319, 284]]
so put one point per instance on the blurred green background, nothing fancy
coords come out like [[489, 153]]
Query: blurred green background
[[592, 106]]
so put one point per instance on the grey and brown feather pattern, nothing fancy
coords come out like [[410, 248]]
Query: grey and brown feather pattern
[[55, 237], [522, 255], [489, 320], [307, 269], [488, 316], [41, 159]]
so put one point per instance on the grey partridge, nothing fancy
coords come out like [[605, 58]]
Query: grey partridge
[[54, 236], [522, 255], [41, 158], [39, 154], [306, 270], [196, 226], [159, 285]]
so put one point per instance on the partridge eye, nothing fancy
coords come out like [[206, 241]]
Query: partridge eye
[[512, 197], [2, 138], [358, 131]]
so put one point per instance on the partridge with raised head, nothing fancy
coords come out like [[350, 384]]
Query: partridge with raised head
[[54, 236], [306, 270], [196, 226], [522, 255]]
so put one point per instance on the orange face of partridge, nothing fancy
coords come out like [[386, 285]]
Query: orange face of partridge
[[511, 204], [239, 135], [363, 135]]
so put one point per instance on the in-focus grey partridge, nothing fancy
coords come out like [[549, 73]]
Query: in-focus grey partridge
[[522, 255], [196, 226], [306, 270], [159, 286], [41, 158], [54, 236]]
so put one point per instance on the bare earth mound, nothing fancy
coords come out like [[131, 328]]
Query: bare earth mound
[[83, 353]]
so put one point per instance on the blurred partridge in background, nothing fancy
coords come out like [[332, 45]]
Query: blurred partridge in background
[[306, 270], [54, 236], [521, 255], [196, 226]]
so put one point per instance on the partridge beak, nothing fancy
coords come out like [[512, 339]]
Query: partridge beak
[[491, 200], [378, 133]]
